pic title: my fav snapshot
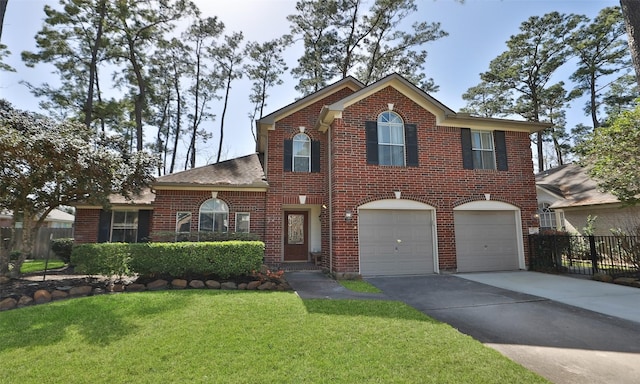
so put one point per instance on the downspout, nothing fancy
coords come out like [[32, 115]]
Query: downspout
[[330, 168]]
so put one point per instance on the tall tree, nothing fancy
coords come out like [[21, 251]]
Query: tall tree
[[631, 13], [229, 57], [266, 64], [601, 51], [47, 164], [621, 95], [75, 39], [533, 57], [139, 26], [487, 100]]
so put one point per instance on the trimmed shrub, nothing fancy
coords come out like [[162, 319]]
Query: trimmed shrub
[[62, 248], [223, 259]]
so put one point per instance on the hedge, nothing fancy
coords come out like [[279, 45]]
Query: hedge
[[222, 259]]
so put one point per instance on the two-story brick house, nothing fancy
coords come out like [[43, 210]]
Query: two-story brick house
[[379, 179]]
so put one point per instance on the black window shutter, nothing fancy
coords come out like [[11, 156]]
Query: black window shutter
[[104, 226], [288, 155], [411, 143], [315, 156], [467, 153], [144, 220], [501, 150], [371, 128]]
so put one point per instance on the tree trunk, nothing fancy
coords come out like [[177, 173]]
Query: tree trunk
[[631, 13], [88, 105], [224, 112], [3, 8]]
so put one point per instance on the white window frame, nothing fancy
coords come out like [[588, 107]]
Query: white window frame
[[183, 235], [481, 145], [216, 208], [124, 226], [547, 217], [299, 142], [391, 122], [248, 220]]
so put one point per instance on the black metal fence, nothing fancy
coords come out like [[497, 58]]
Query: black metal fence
[[586, 255]]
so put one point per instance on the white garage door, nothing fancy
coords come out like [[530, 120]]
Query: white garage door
[[395, 242], [486, 241]]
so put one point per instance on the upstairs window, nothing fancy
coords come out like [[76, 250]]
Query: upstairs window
[[301, 154], [391, 142], [484, 149], [214, 216]]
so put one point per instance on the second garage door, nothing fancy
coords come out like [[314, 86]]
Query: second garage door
[[486, 241], [395, 242]]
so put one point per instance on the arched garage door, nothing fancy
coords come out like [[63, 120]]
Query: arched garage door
[[396, 237], [488, 237]]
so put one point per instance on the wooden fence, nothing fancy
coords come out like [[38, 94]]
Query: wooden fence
[[42, 243]]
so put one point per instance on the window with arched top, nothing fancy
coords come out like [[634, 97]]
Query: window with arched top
[[390, 139], [214, 216], [546, 216], [301, 153]]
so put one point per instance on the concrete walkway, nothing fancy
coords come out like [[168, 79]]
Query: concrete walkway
[[605, 298]]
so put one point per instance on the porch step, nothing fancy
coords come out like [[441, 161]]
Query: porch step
[[295, 266]]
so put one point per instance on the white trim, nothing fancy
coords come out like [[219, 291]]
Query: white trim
[[396, 204]]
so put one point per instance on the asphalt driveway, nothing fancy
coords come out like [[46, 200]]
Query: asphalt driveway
[[564, 343]]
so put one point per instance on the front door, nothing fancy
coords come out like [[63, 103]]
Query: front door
[[296, 236]]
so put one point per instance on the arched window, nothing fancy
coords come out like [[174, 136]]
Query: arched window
[[546, 216], [390, 139], [301, 153], [214, 216]]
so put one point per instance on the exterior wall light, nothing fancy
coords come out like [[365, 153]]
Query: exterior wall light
[[348, 215]]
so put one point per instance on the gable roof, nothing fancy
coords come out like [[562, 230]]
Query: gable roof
[[242, 173], [575, 188], [444, 115], [55, 215]]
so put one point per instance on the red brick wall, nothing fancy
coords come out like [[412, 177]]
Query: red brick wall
[[86, 225], [439, 181], [168, 203]]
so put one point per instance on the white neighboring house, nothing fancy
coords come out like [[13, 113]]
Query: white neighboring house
[[55, 219], [567, 196]]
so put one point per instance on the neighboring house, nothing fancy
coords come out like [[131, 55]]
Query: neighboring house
[[378, 179], [567, 196], [55, 219]]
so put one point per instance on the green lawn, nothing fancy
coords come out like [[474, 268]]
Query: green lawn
[[199, 336], [359, 286], [31, 266]]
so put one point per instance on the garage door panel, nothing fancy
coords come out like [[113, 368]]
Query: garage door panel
[[395, 242], [486, 240]]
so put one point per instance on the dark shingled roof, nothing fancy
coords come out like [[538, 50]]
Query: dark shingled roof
[[572, 182], [243, 171]]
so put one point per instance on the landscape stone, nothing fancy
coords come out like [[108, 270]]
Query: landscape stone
[[24, 301], [41, 296], [242, 286], [212, 284], [196, 284], [4, 279], [266, 286], [179, 283], [59, 295], [135, 287], [8, 303], [228, 285], [83, 290], [625, 281], [115, 288], [157, 284], [252, 286], [98, 291]]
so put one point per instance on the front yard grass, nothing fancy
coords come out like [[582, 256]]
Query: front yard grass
[[196, 336], [31, 266], [359, 286]]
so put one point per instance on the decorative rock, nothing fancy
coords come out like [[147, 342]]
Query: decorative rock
[[24, 301], [59, 295], [83, 290], [266, 286], [157, 285], [636, 284], [41, 296], [4, 279], [135, 287], [179, 283], [602, 277], [196, 284], [115, 288], [228, 285], [212, 284], [242, 286], [97, 291], [264, 269], [8, 303], [252, 286], [624, 281]]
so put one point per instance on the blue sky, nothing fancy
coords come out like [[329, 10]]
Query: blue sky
[[478, 30]]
